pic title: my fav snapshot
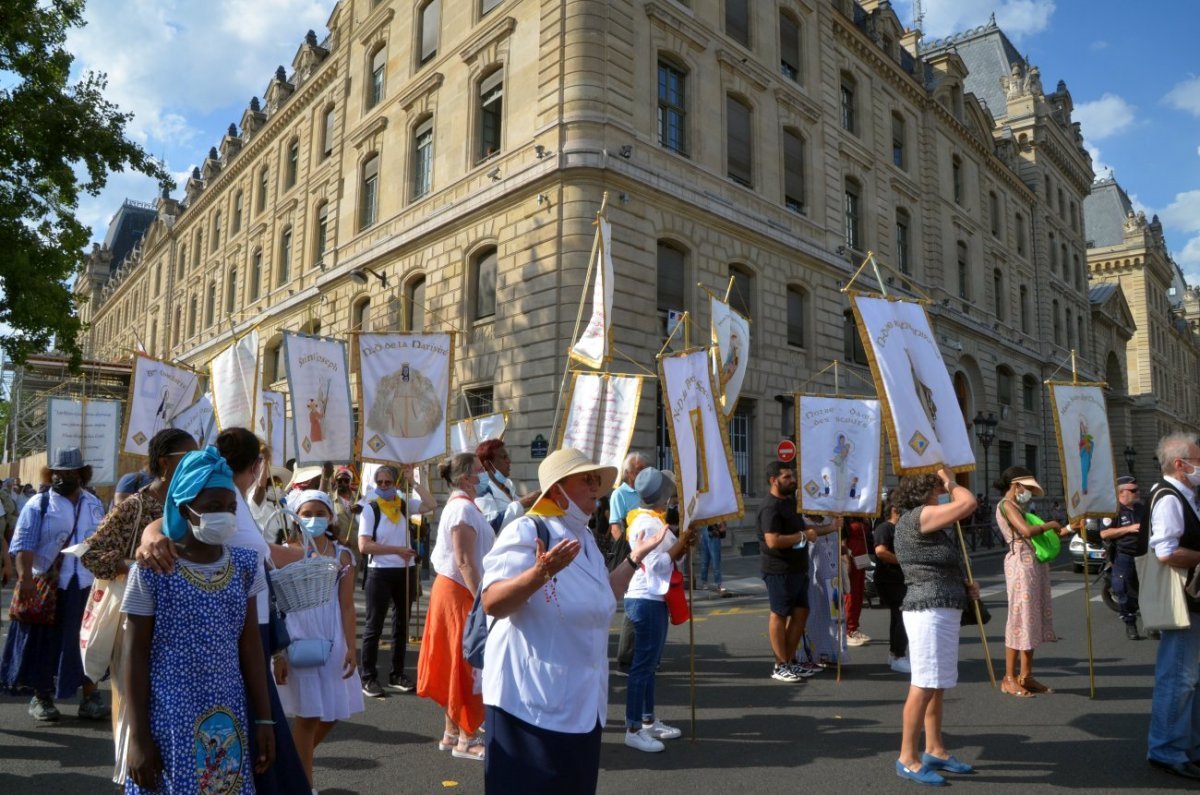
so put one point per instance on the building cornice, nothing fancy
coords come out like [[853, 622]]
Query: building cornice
[[673, 20], [486, 38]]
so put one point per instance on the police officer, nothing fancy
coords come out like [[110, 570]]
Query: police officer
[[1127, 538]]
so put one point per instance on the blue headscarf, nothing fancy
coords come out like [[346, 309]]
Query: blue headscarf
[[199, 470]]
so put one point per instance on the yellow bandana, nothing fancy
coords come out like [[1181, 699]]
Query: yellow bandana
[[636, 512], [391, 508], [545, 508]]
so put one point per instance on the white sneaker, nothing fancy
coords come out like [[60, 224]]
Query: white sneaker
[[805, 670], [785, 673], [856, 639], [642, 741], [661, 731], [900, 665]]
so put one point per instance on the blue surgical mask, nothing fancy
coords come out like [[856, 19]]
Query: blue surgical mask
[[386, 494], [943, 499], [315, 526]]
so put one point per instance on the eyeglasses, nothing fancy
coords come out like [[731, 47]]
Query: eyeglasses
[[1133, 490], [591, 478], [383, 484]]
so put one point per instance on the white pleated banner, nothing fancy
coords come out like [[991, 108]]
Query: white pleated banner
[[467, 435], [271, 426], [1085, 450], [157, 393], [404, 391], [318, 375], [731, 351], [708, 485], [601, 414], [94, 426], [841, 455], [198, 420], [925, 425], [595, 344], [234, 384]]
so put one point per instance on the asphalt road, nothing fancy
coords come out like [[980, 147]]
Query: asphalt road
[[752, 732]]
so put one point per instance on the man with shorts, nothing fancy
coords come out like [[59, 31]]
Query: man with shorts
[[783, 540]]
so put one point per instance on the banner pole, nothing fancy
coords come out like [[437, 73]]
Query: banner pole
[[692, 639], [729, 289], [987, 654], [1087, 606], [841, 606]]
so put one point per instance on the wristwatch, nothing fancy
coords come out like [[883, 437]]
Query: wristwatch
[[629, 560]]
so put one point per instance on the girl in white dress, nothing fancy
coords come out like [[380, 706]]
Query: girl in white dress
[[317, 696]]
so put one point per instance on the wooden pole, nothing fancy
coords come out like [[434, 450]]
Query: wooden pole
[[1087, 574], [692, 640], [987, 655]]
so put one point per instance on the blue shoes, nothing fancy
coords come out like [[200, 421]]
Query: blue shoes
[[923, 776], [950, 765]]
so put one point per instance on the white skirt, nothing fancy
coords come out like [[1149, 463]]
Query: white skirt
[[933, 646]]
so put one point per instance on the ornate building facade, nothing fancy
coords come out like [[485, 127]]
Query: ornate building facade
[[439, 165]]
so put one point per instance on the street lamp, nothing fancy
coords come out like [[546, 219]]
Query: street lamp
[[985, 432], [1130, 453]]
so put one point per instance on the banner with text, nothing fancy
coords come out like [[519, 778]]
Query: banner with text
[[199, 420], [405, 396], [157, 393], [94, 426], [466, 435], [601, 414], [841, 455], [594, 347], [318, 376], [730, 351], [708, 484], [1085, 450], [234, 384], [270, 426], [925, 426]]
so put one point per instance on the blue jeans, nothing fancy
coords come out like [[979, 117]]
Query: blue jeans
[[649, 619], [1175, 709], [710, 555]]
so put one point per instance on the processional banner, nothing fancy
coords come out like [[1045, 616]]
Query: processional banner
[[271, 426], [404, 396], [840, 444], [94, 426], [466, 435], [707, 482], [731, 351], [157, 393], [925, 426], [199, 420], [234, 384], [318, 376], [1085, 450], [594, 347], [601, 414]]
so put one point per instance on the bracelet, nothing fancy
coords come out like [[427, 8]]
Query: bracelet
[[629, 560], [544, 570], [264, 723]]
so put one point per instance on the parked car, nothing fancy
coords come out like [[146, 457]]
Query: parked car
[[1096, 556]]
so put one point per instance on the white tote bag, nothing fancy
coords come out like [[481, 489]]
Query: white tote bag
[[1160, 594]]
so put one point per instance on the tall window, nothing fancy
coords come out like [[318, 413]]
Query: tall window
[[327, 132], [181, 263], [964, 276], [899, 141], [793, 171], [1062, 259], [1004, 386], [193, 310], [672, 107], [956, 176], [322, 232], [1031, 454], [739, 151], [231, 291], [264, 183], [1057, 322], [1004, 454], [789, 46], [238, 201], [994, 211], [177, 328], [491, 114], [360, 315], [285, 257], [1024, 309], [216, 232], [737, 21], [1071, 341], [998, 294], [368, 203], [1029, 393], [256, 266], [741, 441], [903, 242], [671, 280], [375, 86], [414, 294], [484, 284], [741, 297], [1053, 252], [849, 111], [1081, 342], [422, 158], [293, 163], [431, 15], [852, 214], [210, 305], [1019, 223], [197, 249], [158, 269], [795, 316]]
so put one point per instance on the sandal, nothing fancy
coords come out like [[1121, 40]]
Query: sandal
[[448, 741], [1033, 685], [1012, 687], [471, 749]]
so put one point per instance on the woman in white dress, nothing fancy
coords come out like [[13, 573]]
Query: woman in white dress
[[317, 694]]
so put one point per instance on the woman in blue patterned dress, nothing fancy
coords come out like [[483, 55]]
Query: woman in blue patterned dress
[[193, 649]]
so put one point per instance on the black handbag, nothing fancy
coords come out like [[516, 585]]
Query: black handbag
[[968, 615], [278, 637]]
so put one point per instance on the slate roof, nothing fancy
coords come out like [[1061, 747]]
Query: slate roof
[[988, 55], [1101, 293], [1104, 213]]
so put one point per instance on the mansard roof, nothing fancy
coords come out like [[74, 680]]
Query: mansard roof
[[989, 55], [1104, 212]]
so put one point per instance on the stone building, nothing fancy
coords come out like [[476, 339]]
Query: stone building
[[439, 165]]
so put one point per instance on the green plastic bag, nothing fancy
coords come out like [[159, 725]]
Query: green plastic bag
[[1047, 545]]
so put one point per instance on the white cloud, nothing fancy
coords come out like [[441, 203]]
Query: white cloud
[[1018, 18], [1189, 260], [1096, 46], [1185, 96], [1184, 212], [1105, 117], [1102, 169]]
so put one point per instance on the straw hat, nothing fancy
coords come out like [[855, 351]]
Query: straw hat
[[282, 474], [305, 474], [1030, 482], [569, 461]]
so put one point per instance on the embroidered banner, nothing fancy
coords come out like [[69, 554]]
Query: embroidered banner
[[94, 426], [271, 426], [318, 376], [595, 344], [1085, 450], [841, 455], [404, 396], [730, 351], [234, 384], [157, 393], [199, 420], [467, 435], [601, 414]]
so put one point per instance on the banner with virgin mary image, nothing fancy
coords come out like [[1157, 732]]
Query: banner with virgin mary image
[[704, 474], [601, 414], [318, 376], [404, 396], [731, 351], [157, 393], [840, 443], [926, 428], [1085, 450]]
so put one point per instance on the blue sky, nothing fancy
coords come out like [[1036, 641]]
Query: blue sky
[[187, 69]]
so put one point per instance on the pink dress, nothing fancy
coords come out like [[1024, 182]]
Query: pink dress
[[1030, 612]]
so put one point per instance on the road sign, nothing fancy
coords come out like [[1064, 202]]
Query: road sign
[[786, 450], [539, 447]]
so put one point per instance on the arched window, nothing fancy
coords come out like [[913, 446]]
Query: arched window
[[414, 294], [483, 270], [293, 163], [368, 204], [360, 315], [852, 214], [177, 326], [198, 249], [376, 82], [903, 241], [672, 106], [216, 230], [849, 105], [1004, 385], [238, 201], [789, 46], [998, 296], [210, 305], [327, 120], [256, 266], [193, 311], [1053, 252], [321, 233], [264, 184], [741, 297], [422, 148], [797, 313], [231, 291], [285, 257], [490, 110], [427, 30], [739, 148]]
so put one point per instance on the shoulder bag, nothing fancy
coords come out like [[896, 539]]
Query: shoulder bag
[[38, 606]]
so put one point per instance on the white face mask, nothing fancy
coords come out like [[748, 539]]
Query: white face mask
[[1024, 497], [214, 528], [574, 514], [1193, 477]]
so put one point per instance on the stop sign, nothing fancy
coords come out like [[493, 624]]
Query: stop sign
[[786, 450]]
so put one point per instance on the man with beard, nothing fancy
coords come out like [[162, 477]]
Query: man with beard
[[1127, 538], [42, 649], [784, 539], [346, 507]]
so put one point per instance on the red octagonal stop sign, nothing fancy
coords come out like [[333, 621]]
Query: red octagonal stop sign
[[786, 450]]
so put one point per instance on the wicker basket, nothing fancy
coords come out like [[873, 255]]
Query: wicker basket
[[307, 583]]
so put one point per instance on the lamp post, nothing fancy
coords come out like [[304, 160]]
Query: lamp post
[[1130, 454], [985, 432]]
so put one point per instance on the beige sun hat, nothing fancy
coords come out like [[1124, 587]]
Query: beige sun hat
[[569, 461], [305, 474], [1030, 482]]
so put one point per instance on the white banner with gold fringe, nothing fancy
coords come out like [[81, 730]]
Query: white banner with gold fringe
[[198, 420], [601, 414], [730, 351], [1084, 449], [404, 394], [234, 382], [318, 376], [841, 455], [271, 428], [157, 393], [594, 347], [466, 435]]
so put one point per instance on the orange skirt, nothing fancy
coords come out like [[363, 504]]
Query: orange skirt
[[442, 673]]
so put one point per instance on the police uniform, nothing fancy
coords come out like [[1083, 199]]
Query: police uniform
[[1122, 552]]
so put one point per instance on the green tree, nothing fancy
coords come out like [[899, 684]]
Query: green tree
[[57, 139]]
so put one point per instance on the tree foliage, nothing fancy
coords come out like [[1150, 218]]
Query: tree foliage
[[57, 140]]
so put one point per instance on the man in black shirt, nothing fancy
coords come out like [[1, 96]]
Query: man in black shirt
[[783, 541], [1127, 538], [889, 583]]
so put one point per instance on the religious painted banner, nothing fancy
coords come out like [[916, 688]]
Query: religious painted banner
[[707, 482], [841, 455], [318, 376], [466, 435], [601, 414], [730, 351], [271, 426], [199, 420], [404, 396], [234, 384], [157, 393], [925, 426], [94, 426], [594, 347], [1085, 450]]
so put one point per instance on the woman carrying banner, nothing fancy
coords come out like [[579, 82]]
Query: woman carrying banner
[[545, 682], [1030, 610], [443, 675], [933, 604]]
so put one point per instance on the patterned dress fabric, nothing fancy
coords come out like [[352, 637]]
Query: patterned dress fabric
[[1030, 611]]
